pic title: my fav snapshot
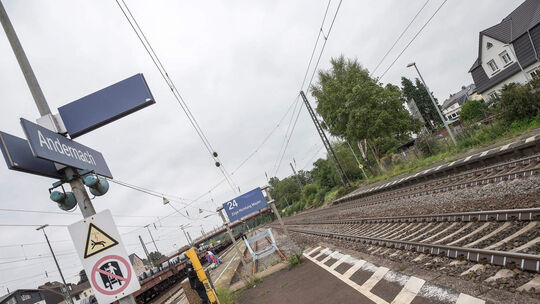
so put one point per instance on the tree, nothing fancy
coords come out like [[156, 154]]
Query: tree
[[82, 277], [155, 256], [355, 107], [420, 95], [472, 111], [518, 102]]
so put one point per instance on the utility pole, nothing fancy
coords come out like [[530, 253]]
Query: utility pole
[[145, 251], [189, 238], [331, 154], [67, 295], [296, 176], [152, 237], [357, 161], [77, 186], [183, 227]]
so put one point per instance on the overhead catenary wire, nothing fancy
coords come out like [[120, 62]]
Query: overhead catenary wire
[[399, 37], [288, 137], [176, 93], [412, 40]]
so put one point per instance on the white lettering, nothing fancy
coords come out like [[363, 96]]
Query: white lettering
[[42, 140]]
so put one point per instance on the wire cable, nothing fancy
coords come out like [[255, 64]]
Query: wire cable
[[411, 41], [176, 93], [399, 37]]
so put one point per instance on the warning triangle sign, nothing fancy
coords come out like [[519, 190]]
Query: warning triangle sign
[[97, 241]]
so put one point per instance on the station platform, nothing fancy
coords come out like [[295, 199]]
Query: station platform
[[329, 276]]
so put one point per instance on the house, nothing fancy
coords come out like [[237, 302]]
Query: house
[[137, 263], [31, 296], [452, 105], [509, 51], [81, 291]]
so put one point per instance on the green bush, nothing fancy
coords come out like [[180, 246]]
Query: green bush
[[518, 102], [473, 111], [295, 259]]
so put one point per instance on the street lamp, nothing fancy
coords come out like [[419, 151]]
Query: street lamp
[[66, 293], [434, 104]]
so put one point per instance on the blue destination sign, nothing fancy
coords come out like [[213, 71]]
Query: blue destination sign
[[245, 204], [48, 145], [106, 105], [19, 157]]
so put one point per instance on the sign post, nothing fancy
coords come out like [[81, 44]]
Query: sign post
[[131, 95], [276, 211]]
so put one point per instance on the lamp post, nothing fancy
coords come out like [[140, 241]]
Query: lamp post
[[434, 104], [66, 289]]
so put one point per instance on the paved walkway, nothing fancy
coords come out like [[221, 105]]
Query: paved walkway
[[331, 277]]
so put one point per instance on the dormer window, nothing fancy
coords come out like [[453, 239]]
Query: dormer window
[[493, 65], [489, 45], [505, 57]]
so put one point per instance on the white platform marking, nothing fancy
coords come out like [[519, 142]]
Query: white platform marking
[[467, 299], [409, 291]]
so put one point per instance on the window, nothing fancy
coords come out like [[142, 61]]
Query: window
[[505, 57], [493, 65], [12, 300], [25, 296], [493, 95], [535, 74], [489, 45]]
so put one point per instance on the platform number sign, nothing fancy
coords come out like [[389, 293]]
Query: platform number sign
[[232, 204], [104, 257], [245, 204]]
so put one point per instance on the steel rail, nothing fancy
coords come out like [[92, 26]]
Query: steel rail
[[527, 214], [529, 262], [482, 180]]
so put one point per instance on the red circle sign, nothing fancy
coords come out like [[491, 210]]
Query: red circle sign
[[111, 270]]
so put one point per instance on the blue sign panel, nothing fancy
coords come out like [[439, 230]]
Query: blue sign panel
[[245, 204], [106, 105], [48, 145], [19, 157]]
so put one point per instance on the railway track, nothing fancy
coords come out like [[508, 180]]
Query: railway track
[[508, 238], [506, 171]]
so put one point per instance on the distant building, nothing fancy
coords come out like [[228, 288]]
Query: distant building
[[509, 51], [81, 291], [452, 105], [137, 263], [31, 296]]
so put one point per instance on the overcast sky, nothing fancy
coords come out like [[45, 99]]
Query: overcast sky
[[239, 66]]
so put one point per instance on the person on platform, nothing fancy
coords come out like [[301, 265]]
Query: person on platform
[[195, 283], [214, 253]]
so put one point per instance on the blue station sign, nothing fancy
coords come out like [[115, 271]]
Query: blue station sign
[[19, 157], [51, 146], [106, 105], [245, 204]]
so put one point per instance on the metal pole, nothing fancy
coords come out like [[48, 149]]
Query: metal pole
[[437, 107], [187, 239], [77, 186], [357, 161], [68, 298], [296, 177], [145, 250], [31, 80], [276, 211], [152, 237], [235, 244]]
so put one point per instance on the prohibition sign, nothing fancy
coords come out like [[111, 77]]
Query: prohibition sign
[[123, 279]]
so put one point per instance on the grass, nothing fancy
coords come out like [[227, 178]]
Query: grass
[[254, 282], [226, 296], [284, 284], [264, 293], [402, 267], [295, 259]]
